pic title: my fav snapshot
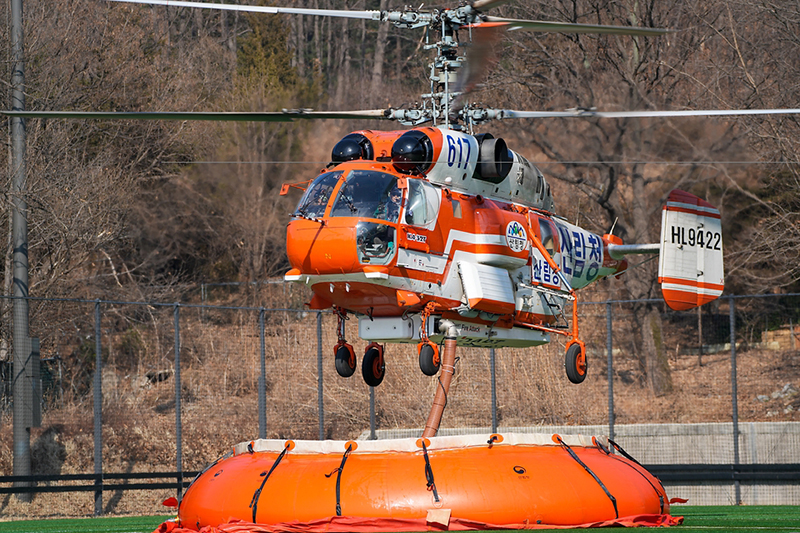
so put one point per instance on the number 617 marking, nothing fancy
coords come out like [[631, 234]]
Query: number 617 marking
[[455, 152]]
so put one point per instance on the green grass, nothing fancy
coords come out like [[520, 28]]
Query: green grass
[[760, 519], [127, 524]]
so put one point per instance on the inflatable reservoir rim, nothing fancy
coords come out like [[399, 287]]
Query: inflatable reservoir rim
[[413, 445]]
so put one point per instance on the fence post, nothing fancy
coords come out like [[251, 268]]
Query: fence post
[[493, 372], [203, 301], [610, 370], [734, 394], [319, 378], [178, 436], [98, 414], [262, 381], [372, 433]]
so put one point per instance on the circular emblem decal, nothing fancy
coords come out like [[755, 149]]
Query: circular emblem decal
[[519, 470], [516, 238]]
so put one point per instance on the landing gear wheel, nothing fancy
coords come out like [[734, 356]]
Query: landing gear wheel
[[429, 360], [373, 367], [575, 362], [345, 360]]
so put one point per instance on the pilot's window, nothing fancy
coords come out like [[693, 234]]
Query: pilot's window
[[315, 199], [368, 194], [375, 243], [422, 206]]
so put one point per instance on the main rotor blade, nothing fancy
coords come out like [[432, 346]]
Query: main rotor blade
[[590, 113], [369, 15], [571, 27], [277, 116], [483, 5]]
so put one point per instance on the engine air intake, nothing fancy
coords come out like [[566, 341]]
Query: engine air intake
[[412, 153], [352, 146]]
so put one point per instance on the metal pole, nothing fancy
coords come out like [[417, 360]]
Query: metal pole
[[610, 371], [98, 413], [262, 381], [319, 378], [372, 433], [493, 371], [203, 301], [178, 435], [734, 396], [19, 230]]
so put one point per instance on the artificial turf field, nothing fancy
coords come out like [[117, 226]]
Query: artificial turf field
[[761, 519]]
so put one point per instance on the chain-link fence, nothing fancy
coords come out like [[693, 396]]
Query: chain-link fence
[[180, 384]]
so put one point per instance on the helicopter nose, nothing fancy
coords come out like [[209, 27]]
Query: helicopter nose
[[316, 248]]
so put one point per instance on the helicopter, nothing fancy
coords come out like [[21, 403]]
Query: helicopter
[[441, 234]]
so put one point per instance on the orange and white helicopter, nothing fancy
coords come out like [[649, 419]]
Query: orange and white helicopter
[[441, 233], [407, 229]]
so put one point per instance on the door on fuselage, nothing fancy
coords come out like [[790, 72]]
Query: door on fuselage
[[541, 271]]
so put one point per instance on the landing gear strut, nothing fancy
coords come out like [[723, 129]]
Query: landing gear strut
[[344, 354], [429, 359]]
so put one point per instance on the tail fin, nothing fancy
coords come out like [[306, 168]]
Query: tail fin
[[690, 266]]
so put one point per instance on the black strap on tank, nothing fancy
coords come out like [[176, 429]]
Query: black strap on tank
[[623, 452], [627, 456], [206, 469], [429, 473], [257, 494], [339, 480], [589, 470]]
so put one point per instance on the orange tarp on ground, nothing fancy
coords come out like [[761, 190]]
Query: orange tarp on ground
[[345, 524]]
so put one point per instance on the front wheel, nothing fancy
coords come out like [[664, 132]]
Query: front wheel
[[373, 367], [575, 363]]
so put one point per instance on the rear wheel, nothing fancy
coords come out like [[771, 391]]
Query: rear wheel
[[429, 360], [575, 363], [345, 360], [373, 367]]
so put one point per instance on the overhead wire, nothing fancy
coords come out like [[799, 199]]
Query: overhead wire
[[538, 163]]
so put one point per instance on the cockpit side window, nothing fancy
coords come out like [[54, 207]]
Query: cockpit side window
[[315, 199], [368, 194], [422, 206]]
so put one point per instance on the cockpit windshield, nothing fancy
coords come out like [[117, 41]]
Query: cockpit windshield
[[368, 194], [315, 199]]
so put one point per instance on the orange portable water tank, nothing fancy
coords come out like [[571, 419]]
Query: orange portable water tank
[[463, 482]]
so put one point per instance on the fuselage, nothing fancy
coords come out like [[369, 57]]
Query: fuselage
[[374, 240]]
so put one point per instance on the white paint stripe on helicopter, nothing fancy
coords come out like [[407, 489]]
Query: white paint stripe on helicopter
[[693, 207], [691, 290], [397, 282], [473, 238], [437, 264]]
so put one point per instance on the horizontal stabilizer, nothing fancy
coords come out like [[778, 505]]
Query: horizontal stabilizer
[[690, 267]]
